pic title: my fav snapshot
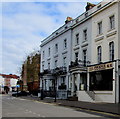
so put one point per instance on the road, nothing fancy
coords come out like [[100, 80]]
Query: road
[[17, 107]]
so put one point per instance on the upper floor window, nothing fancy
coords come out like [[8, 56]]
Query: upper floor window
[[112, 22], [56, 63], [77, 39], [56, 48], [48, 51], [43, 67], [85, 35], [63, 79], [100, 28], [65, 43], [76, 56], [84, 57], [99, 50], [49, 65], [64, 61], [111, 51], [43, 54]]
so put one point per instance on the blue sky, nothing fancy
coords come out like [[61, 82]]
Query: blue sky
[[26, 24]]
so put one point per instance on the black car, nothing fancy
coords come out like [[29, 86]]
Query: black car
[[21, 93]]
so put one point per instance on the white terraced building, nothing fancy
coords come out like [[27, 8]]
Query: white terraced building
[[89, 47], [55, 59]]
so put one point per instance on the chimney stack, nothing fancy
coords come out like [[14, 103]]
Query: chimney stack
[[89, 6], [68, 19]]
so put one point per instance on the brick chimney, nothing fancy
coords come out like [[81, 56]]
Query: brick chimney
[[68, 19], [89, 6]]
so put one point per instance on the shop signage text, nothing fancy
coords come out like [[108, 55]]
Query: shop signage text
[[100, 67]]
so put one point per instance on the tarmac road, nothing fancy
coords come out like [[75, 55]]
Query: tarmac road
[[17, 107]]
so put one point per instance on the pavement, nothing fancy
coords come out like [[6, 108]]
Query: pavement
[[101, 107]]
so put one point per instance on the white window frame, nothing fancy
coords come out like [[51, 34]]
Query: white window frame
[[49, 51], [99, 53], [42, 67], [56, 48], [112, 22], [43, 54], [56, 63], [65, 43], [111, 51], [77, 39], [64, 61], [76, 58], [84, 59], [48, 65], [85, 35], [99, 27]]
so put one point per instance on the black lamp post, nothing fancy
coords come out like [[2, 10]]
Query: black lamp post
[[17, 89], [55, 89], [42, 93]]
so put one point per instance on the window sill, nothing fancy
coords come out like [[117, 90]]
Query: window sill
[[84, 44], [76, 47], [84, 41], [99, 38], [48, 58], [113, 32], [43, 61], [56, 55], [99, 34], [64, 52]]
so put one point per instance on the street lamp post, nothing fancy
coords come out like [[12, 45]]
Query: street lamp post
[[42, 94], [55, 89], [17, 89]]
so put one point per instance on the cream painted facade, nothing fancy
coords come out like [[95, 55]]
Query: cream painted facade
[[93, 55], [103, 40]]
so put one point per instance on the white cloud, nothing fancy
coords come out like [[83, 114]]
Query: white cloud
[[26, 24], [51, 0]]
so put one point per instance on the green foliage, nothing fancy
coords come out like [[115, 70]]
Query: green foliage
[[32, 67]]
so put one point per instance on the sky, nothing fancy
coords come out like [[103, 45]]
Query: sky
[[25, 23]]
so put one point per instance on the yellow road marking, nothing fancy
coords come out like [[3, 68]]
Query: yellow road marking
[[105, 113]]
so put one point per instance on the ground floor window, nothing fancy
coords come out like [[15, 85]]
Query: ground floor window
[[101, 80]]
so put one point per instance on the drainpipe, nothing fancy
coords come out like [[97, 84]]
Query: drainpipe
[[116, 81]]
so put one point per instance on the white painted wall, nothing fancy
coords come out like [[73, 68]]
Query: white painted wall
[[82, 44], [105, 96], [83, 96], [100, 96], [13, 82]]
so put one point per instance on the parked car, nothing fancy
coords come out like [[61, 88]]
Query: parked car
[[2, 92], [20, 93]]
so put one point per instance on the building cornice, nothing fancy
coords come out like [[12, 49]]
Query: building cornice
[[90, 13]]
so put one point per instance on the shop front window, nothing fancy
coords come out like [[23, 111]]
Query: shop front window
[[101, 80]]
